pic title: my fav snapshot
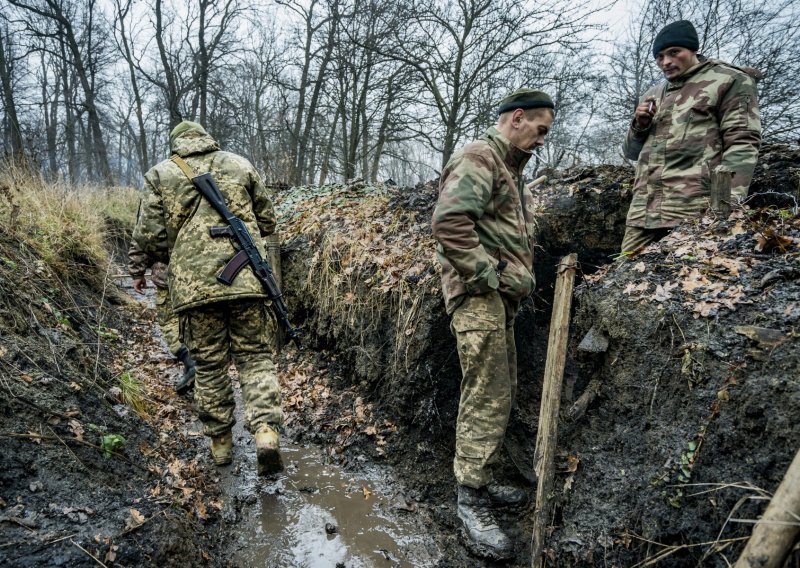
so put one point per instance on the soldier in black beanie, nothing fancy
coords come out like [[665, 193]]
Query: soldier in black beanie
[[703, 117]]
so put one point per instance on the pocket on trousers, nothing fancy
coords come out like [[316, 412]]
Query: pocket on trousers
[[480, 313]]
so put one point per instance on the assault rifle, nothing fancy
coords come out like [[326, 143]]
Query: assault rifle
[[248, 252]]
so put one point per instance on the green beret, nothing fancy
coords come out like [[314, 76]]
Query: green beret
[[183, 127], [525, 98]]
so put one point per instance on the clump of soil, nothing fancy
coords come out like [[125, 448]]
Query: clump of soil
[[94, 465], [694, 420]]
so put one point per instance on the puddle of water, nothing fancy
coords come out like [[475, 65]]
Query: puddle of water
[[287, 525], [284, 523]]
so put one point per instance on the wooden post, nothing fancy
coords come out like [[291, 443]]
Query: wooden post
[[546, 434], [272, 246], [776, 531], [721, 192]]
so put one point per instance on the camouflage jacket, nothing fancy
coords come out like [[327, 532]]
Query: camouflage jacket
[[174, 220], [138, 262], [707, 117], [484, 216]]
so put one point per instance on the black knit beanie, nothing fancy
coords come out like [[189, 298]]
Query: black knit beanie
[[676, 34]]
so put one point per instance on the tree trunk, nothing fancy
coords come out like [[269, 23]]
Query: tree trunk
[[6, 78]]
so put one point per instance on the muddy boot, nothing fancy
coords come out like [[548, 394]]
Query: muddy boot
[[269, 458], [222, 448], [187, 380], [506, 495], [486, 538]]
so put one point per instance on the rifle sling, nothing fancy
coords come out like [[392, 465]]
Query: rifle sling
[[185, 168]]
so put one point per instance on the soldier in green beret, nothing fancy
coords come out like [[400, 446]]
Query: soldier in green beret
[[704, 116], [484, 227], [219, 323]]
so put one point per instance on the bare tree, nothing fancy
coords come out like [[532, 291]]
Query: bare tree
[[459, 48], [64, 15], [8, 63]]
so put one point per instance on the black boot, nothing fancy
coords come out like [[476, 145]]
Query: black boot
[[187, 380], [486, 538], [506, 495]]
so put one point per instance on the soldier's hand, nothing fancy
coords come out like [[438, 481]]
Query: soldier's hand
[[139, 284], [645, 112]]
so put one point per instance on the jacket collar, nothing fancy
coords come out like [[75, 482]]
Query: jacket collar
[[690, 72], [515, 158]]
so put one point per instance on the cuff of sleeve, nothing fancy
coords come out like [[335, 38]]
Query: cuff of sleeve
[[484, 284], [639, 132]]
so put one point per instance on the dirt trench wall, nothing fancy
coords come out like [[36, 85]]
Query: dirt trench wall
[[63, 495], [359, 271], [699, 394]]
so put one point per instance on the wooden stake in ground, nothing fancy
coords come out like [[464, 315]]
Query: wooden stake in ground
[[774, 535], [546, 434], [721, 192]]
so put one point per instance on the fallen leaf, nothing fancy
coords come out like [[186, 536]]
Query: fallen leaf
[[663, 292], [76, 428], [366, 491], [135, 519]]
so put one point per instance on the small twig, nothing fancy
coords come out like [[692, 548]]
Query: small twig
[[40, 408], [68, 448], [50, 343], [100, 321], [92, 556]]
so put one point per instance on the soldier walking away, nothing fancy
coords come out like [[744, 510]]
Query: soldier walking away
[[703, 117], [167, 319], [219, 323], [484, 227]]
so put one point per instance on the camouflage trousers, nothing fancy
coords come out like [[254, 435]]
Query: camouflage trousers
[[167, 320], [637, 237], [217, 334], [488, 355]]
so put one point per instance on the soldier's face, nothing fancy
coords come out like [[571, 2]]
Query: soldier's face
[[531, 128], [674, 61]]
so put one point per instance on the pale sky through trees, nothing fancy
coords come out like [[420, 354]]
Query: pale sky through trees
[[315, 91]]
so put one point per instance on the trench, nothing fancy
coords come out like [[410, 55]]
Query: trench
[[315, 513]]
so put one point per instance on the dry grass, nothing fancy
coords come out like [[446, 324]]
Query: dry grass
[[356, 276], [65, 225]]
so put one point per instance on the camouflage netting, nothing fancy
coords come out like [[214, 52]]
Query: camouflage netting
[[361, 275]]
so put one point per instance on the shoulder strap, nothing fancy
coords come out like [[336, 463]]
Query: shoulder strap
[[185, 168]]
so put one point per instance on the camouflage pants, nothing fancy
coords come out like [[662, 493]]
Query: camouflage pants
[[167, 320], [637, 237], [240, 331], [488, 357]]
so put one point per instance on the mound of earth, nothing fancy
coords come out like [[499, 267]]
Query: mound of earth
[[95, 466], [664, 400], [696, 374]]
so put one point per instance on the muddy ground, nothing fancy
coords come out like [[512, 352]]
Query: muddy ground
[[694, 407], [95, 463]]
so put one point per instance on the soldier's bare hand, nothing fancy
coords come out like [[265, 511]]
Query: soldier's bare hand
[[645, 112], [139, 284]]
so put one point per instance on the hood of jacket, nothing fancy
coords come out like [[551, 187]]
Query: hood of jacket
[[193, 141]]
